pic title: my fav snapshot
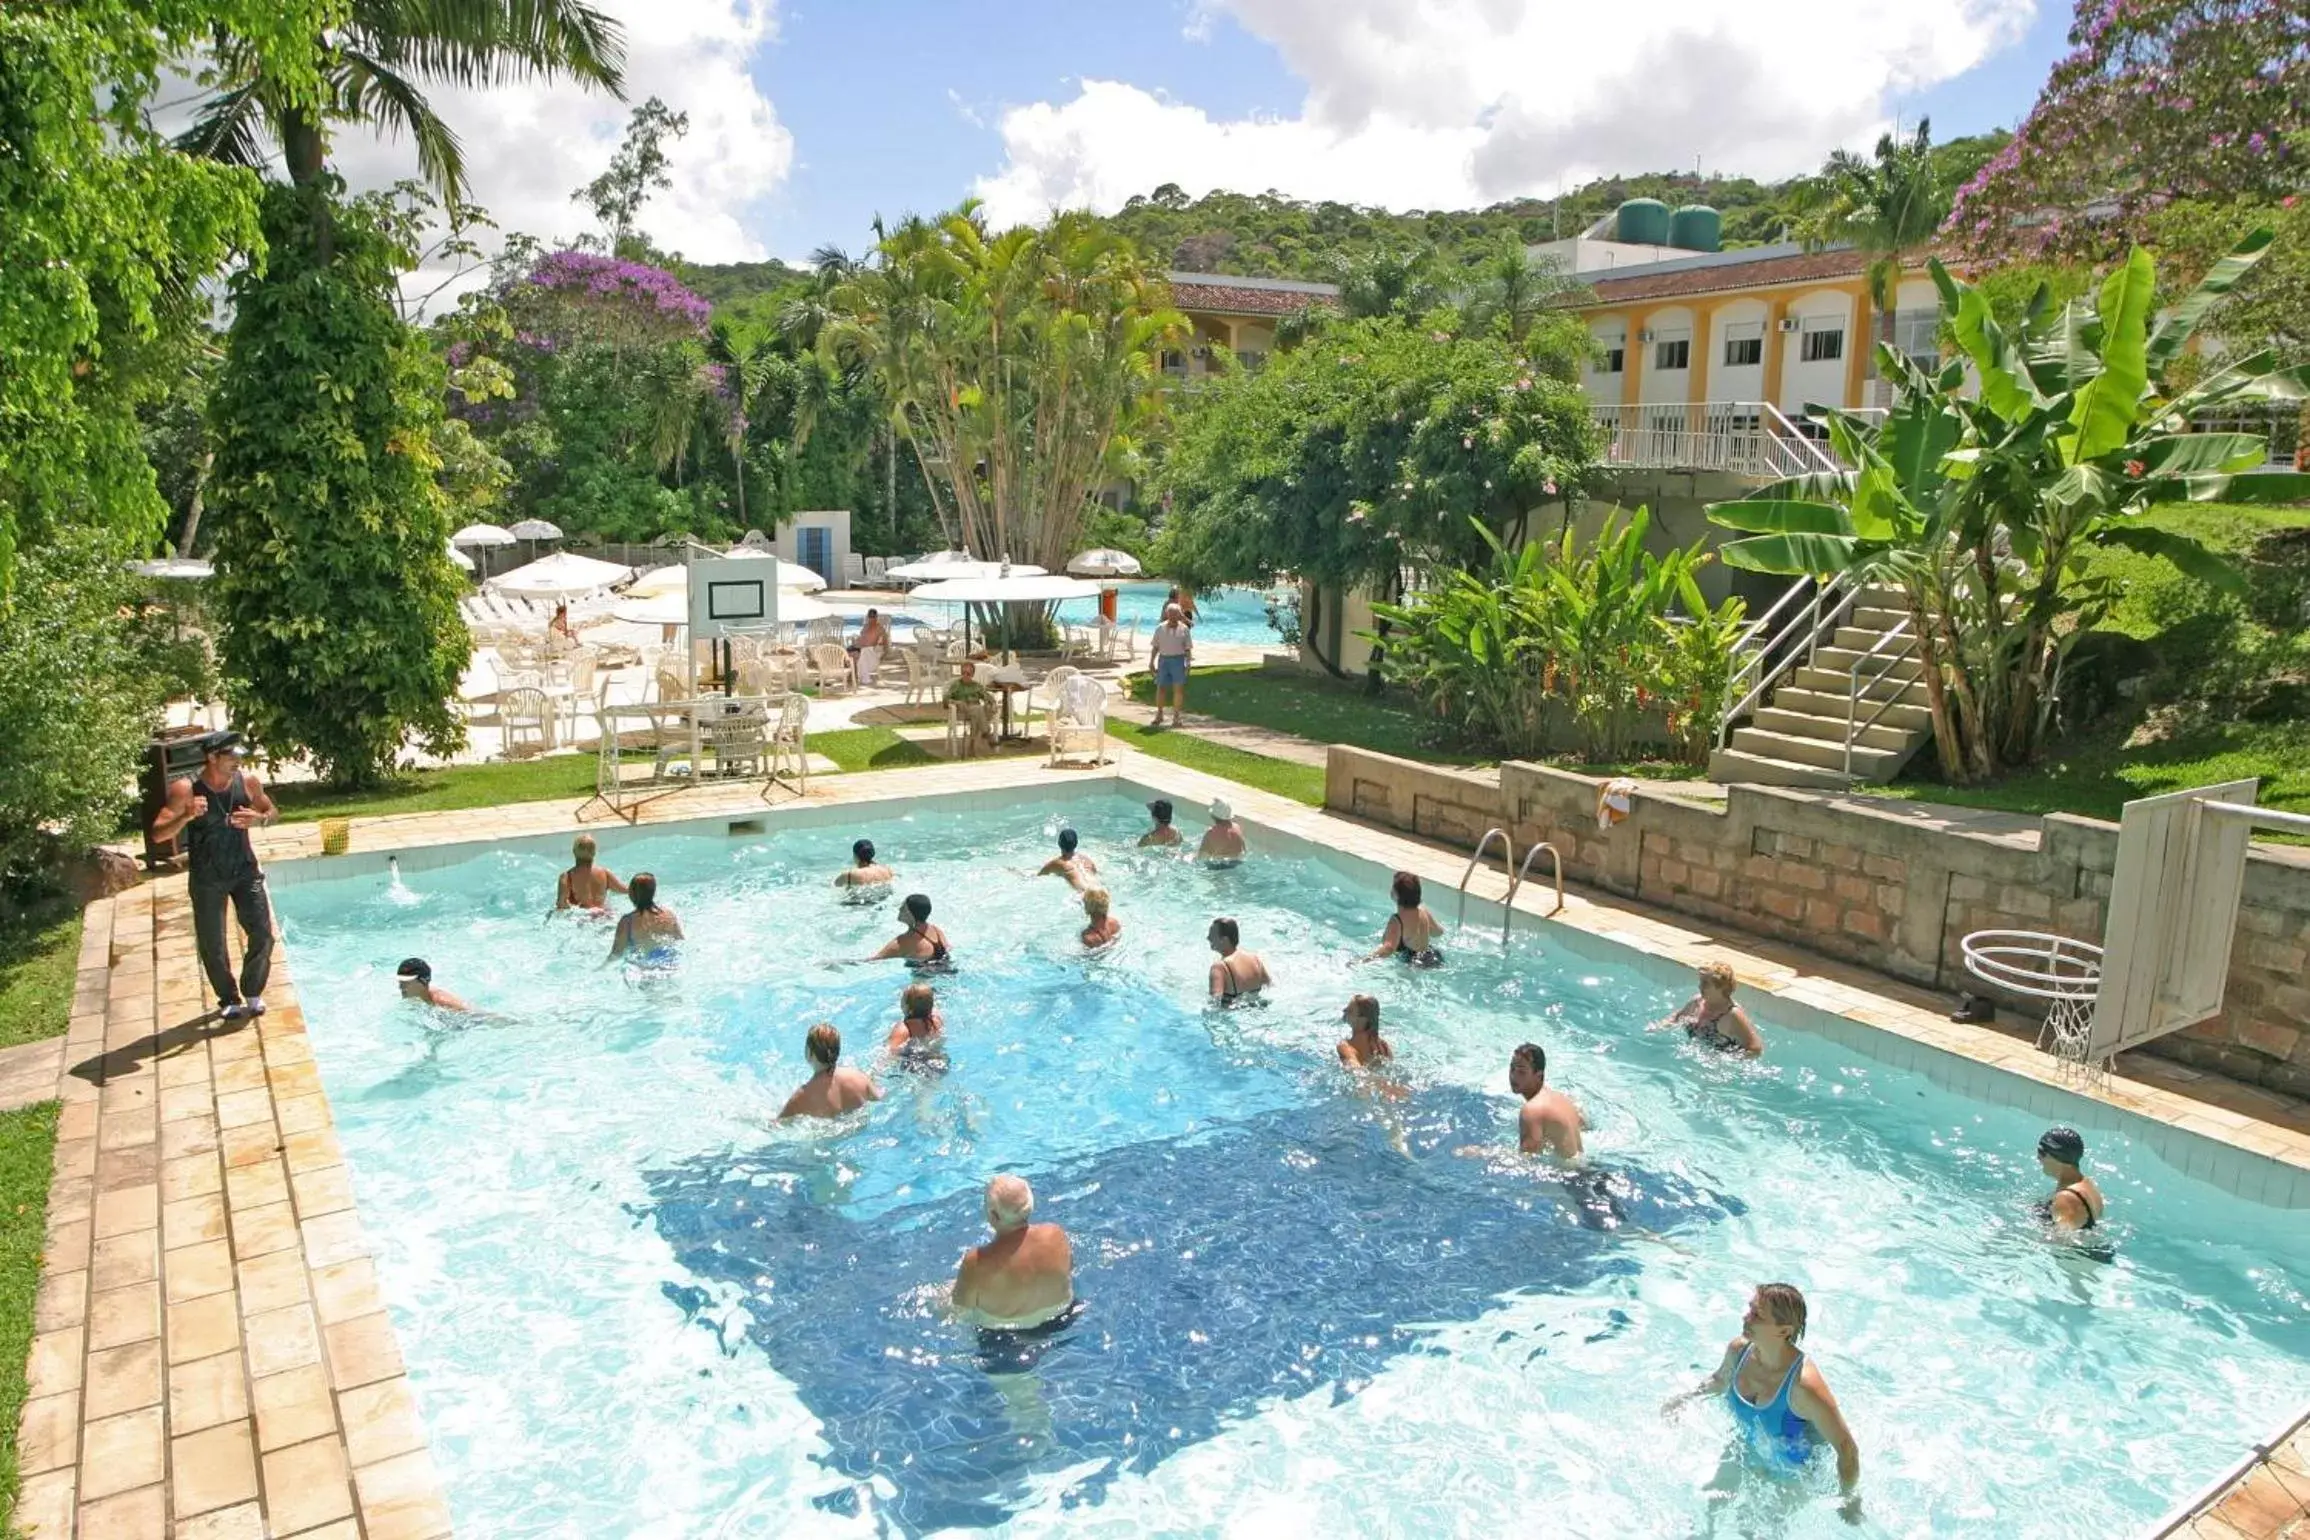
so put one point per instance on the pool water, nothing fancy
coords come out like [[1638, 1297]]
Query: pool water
[[1233, 615], [633, 1305]]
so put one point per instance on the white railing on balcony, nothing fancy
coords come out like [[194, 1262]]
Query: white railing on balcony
[[2279, 425], [1745, 438]]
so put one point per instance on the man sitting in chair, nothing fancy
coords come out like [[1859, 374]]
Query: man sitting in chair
[[974, 706]]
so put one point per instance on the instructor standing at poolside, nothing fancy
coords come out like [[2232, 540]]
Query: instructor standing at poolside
[[216, 809], [1169, 652]]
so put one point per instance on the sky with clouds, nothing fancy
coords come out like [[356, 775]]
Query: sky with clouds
[[810, 117]]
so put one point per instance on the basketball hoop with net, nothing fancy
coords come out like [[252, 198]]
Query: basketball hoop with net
[[2164, 959]]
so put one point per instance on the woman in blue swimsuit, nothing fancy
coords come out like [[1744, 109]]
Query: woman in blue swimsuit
[[646, 936], [1776, 1395]]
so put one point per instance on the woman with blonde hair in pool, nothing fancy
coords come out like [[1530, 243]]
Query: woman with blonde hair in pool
[[1712, 1019], [1100, 927], [1777, 1397], [1363, 1047]]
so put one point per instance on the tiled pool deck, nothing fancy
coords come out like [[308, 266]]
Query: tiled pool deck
[[213, 1359]]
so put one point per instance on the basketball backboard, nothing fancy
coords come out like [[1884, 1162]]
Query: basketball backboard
[[732, 594], [2173, 913]]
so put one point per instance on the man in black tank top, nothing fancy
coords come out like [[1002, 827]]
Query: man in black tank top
[[215, 811]]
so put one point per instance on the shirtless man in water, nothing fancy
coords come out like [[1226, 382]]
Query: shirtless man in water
[[585, 885], [830, 1092], [1068, 864], [864, 871], [1549, 1122], [1026, 1274]]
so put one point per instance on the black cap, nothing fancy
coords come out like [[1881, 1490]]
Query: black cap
[[862, 851], [2066, 1145], [1161, 808], [221, 743], [415, 968]]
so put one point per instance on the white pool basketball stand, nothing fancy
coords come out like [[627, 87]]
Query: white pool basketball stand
[[2164, 959]]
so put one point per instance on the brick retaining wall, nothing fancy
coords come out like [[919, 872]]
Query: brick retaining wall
[[1891, 885]]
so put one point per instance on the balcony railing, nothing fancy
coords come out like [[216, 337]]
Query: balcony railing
[[1745, 438]]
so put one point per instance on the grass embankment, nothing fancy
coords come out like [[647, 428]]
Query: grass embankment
[[1330, 711], [1284, 777], [39, 953], [27, 1155], [2225, 692]]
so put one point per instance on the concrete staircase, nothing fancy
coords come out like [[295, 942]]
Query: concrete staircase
[[1797, 738]]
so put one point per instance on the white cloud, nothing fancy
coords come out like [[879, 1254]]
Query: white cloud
[[1457, 103], [528, 146]]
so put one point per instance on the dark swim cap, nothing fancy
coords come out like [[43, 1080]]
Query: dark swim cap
[[2066, 1145], [415, 968], [862, 851]]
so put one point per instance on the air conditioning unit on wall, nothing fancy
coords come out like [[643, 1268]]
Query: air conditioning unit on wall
[[1790, 323], [1644, 335]]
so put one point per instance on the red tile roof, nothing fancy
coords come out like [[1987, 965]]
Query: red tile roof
[[1804, 267], [1232, 299]]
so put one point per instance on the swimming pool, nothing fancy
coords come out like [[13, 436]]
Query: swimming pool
[[632, 1306], [1235, 615]]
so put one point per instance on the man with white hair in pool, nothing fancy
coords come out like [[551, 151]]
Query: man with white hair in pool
[[1025, 1276]]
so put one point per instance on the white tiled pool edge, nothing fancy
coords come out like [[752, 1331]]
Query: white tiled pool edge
[[211, 1356]]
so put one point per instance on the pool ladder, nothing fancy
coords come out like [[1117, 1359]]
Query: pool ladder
[[1523, 870]]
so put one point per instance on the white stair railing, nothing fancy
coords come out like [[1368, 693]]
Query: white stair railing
[[1745, 438], [1778, 640]]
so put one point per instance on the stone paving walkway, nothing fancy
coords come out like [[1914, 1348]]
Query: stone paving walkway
[[28, 1073]]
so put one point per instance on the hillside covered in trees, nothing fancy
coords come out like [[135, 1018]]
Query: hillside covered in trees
[[1269, 235]]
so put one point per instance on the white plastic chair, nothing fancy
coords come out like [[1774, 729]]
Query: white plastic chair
[[853, 570], [528, 719], [831, 666], [875, 568], [1049, 693], [738, 731], [920, 686], [788, 740], [1079, 720]]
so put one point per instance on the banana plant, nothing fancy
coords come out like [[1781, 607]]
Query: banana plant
[[1982, 504]]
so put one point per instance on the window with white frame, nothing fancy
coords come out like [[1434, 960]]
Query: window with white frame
[[1615, 351], [1672, 350], [1918, 334], [1744, 343], [1824, 341]]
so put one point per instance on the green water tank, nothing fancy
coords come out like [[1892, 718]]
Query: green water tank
[[1696, 227], [1642, 222]]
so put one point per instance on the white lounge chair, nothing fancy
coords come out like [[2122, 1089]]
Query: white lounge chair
[[875, 567], [853, 570]]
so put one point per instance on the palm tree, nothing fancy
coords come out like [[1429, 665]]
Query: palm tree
[[1887, 206], [379, 59], [1513, 289]]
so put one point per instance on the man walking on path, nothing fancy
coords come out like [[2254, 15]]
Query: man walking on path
[[216, 809]]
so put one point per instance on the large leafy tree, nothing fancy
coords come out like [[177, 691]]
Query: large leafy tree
[[104, 235], [1887, 205], [1977, 505], [2158, 101], [379, 57], [1021, 368], [342, 639], [1377, 445]]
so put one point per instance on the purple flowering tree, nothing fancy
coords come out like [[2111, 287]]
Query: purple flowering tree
[[573, 298], [2158, 101]]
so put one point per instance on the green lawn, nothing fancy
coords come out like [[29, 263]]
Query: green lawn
[[1301, 783], [27, 1154], [2227, 695], [1323, 710], [871, 748], [39, 953]]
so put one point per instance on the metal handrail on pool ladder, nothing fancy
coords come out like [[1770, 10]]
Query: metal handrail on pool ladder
[[1508, 904], [1507, 859]]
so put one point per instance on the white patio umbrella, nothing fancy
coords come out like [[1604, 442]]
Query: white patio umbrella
[[535, 529], [955, 565], [482, 534], [673, 609], [1103, 562], [563, 575], [793, 577], [462, 560], [1032, 587], [179, 568]]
